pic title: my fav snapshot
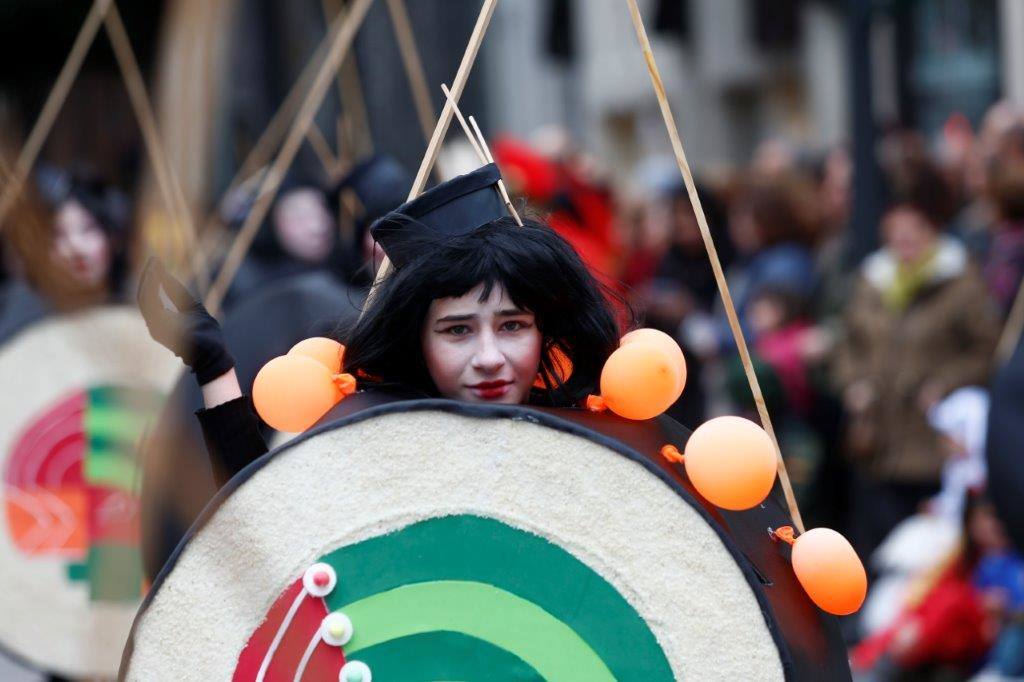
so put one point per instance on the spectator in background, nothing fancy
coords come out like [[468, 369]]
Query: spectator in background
[[772, 226], [299, 235], [1004, 262], [682, 291], [919, 325], [69, 235], [946, 629]]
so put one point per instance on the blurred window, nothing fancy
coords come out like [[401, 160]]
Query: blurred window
[[952, 60]]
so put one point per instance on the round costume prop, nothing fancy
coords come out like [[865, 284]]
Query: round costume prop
[[81, 391], [430, 539]]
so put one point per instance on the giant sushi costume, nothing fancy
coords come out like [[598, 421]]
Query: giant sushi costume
[[80, 392], [426, 539]]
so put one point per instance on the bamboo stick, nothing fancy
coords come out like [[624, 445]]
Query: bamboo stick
[[716, 265], [413, 65], [54, 102], [166, 177], [340, 45], [465, 126], [501, 183], [434, 147]]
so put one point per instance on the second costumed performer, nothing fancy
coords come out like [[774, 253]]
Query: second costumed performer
[[478, 309]]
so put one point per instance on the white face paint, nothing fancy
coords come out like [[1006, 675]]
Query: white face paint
[[80, 245], [481, 351], [303, 225]]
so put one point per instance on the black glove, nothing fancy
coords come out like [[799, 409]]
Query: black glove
[[186, 329]]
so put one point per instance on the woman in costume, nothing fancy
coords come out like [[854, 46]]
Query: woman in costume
[[72, 229], [478, 309]]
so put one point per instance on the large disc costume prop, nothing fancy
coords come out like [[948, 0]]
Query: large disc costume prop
[[178, 481], [80, 393], [430, 539]]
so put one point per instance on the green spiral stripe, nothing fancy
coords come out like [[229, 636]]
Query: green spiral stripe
[[445, 656], [481, 611], [114, 420], [507, 561]]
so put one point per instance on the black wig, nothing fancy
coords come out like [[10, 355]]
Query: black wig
[[107, 205], [538, 270]]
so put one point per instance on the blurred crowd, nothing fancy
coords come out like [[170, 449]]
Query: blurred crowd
[[875, 369]]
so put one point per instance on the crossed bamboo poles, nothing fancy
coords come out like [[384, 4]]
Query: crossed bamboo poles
[[105, 13], [339, 41]]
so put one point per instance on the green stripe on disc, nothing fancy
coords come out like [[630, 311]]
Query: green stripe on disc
[[444, 656], [474, 549], [482, 611]]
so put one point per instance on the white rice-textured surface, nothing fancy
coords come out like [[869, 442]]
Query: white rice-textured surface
[[381, 474], [46, 619]]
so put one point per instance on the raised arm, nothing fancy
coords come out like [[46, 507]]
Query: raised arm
[[177, 320]]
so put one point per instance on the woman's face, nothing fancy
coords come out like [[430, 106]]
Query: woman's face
[[80, 245], [303, 225], [908, 235], [481, 351], [744, 230]]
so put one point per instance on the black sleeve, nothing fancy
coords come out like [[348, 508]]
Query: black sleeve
[[232, 434]]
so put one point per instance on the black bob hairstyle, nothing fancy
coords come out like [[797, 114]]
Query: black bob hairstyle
[[539, 271]]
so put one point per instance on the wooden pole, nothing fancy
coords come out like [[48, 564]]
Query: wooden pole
[[413, 65], [434, 146], [166, 177], [276, 129], [501, 183], [272, 181], [716, 265], [352, 97], [54, 102], [322, 149], [483, 152], [465, 126]]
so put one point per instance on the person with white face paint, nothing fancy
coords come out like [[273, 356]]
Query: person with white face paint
[[477, 309], [88, 227], [298, 236], [69, 247]]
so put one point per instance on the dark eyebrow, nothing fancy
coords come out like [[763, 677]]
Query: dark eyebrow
[[455, 318], [510, 312]]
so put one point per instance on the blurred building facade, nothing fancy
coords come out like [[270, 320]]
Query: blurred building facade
[[741, 71]]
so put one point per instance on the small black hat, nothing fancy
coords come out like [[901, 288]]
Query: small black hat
[[452, 208]]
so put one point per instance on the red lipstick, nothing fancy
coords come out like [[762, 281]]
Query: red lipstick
[[491, 390]]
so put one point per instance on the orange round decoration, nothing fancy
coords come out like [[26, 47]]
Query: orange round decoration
[[292, 391], [664, 340], [326, 351], [640, 381], [731, 462], [830, 571]]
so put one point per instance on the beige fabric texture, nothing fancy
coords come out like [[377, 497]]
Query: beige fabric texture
[[381, 474], [45, 618]]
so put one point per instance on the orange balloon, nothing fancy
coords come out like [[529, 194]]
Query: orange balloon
[[292, 392], [830, 571], [326, 351], [640, 381], [666, 341], [731, 462]]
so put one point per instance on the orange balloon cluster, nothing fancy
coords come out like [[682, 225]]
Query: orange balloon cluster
[[830, 571], [291, 392], [731, 462], [644, 376]]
